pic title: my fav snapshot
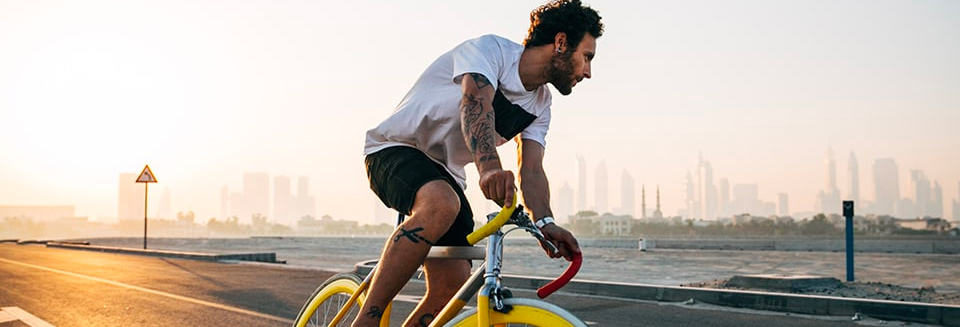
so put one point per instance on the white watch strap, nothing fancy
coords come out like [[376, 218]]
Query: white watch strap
[[544, 221]]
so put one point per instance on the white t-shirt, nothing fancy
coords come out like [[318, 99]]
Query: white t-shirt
[[428, 118]]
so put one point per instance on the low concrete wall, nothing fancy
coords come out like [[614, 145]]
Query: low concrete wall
[[258, 257], [947, 315], [805, 304], [876, 246]]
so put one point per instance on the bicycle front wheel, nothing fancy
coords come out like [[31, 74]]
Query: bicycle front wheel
[[526, 312], [321, 308]]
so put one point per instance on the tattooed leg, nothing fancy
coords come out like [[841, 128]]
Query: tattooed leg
[[375, 312], [444, 278], [411, 235], [426, 319], [434, 210]]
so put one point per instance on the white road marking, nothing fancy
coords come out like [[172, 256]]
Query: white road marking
[[24, 317], [6, 317], [155, 292]]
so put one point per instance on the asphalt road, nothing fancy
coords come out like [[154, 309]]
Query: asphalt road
[[81, 288]]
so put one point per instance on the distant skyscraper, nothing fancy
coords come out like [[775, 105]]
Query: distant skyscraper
[[690, 198], [723, 207], [956, 205], [565, 205], [707, 197], [831, 172], [828, 200], [581, 184], [921, 194], [887, 183], [129, 197], [600, 195], [256, 194], [628, 195], [283, 201], [306, 205], [783, 204], [956, 211], [643, 202], [854, 170], [936, 209]]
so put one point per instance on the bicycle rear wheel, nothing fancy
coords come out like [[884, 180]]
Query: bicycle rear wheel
[[321, 308], [526, 312]]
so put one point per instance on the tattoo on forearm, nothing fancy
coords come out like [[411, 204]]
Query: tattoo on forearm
[[480, 80], [412, 236], [375, 312], [478, 128], [426, 319]]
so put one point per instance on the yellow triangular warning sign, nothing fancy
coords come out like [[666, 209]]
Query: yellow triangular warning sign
[[146, 176]]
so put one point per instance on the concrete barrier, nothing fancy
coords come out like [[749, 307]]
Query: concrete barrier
[[948, 247], [823, 245], [947, 315], [269, 257]]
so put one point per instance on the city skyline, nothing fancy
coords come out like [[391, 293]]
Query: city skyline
[[924, 198], [94, 89]]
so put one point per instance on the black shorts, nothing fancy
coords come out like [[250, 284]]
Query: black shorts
[[397, 173]]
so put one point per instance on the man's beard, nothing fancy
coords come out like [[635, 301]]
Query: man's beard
[[561, 72]]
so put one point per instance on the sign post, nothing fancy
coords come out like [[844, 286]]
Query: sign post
[[848, 214], [146, 177]]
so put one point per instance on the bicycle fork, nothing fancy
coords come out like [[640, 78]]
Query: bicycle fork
[[486, 281]]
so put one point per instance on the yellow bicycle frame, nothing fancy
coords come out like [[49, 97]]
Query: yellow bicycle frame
[[456, 304]]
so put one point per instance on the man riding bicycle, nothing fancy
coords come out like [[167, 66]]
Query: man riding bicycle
[[472, 99]]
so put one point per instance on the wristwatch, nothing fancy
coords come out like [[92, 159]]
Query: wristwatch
[[543, 221]]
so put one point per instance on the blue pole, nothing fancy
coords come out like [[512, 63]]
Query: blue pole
[[849, 249], [848, 213]]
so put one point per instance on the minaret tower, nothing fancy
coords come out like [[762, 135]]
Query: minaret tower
[[643, 201], [658, 213]]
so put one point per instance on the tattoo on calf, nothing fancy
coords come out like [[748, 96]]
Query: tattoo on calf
[[412, 236], [426, 319], [375, 312]]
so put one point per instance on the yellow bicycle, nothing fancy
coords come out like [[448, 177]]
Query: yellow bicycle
[[338, 300]]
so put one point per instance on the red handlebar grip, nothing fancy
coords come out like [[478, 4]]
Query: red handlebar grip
[[556, 284]]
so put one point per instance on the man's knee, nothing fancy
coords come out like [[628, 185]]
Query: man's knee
[[439, 198]]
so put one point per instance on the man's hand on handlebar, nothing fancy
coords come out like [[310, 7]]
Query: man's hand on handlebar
[[561, 238], [498, 185]]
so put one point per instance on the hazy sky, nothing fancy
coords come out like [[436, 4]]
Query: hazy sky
[[206, 90]]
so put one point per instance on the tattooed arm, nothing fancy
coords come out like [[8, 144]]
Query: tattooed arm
[[477, 125]]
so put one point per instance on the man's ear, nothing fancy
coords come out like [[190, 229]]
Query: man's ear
[[560, 42]]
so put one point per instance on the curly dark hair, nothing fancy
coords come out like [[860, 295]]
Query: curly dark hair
[[568, 16]]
